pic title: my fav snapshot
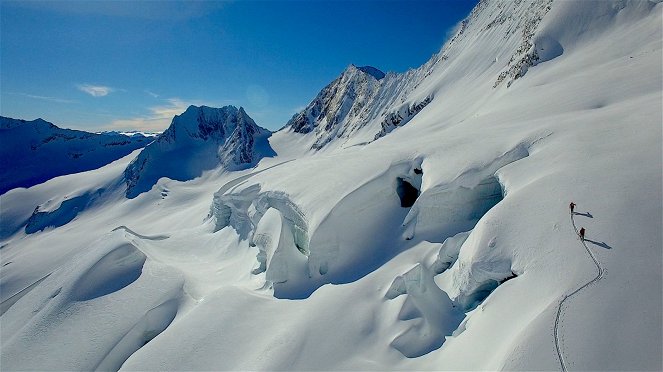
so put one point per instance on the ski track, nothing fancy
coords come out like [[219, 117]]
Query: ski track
[[598, 277]]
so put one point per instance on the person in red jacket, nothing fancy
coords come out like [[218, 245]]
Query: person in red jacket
[[582, 233]]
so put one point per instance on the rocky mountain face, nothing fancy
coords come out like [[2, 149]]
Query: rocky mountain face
[[338, 104], [199, 139], [33, 152], [359, 96]]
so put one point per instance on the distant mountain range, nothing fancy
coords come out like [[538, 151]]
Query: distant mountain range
[[33, 152]]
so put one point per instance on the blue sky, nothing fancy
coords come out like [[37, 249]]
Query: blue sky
[[99, 65]]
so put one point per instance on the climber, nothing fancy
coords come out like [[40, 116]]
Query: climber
[[571, 206], [582, 234]]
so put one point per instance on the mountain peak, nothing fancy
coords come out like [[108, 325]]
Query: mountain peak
[[339, 102], [204, 122], [199, 139]]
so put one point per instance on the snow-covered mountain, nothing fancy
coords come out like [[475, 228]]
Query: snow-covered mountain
[[199, 139], [439, 240], [364, 104], [357, 98], [131, 133], [33, 152]]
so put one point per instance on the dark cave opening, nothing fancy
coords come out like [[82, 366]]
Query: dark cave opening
[[406, 192]]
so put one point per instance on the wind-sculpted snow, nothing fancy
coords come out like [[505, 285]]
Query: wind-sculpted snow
[[475, 272], [98, 284], [148, 327], [447, 212], [233, 210], [430, 311], [273, 223], [114, 271], [44, 217], [244, 210], [448, 253], [292, 214], [11, 300], [199, 139], [33, 152], [278, 256], [350, 242], [444, 210], [478, 271]]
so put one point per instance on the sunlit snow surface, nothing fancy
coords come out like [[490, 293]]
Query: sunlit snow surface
[[326, 260]]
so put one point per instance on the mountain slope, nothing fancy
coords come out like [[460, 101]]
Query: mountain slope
[[199, 139], [35, 151], [446, 244], [359, 96]]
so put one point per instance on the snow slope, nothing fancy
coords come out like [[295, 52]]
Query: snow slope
[[35, 151], [444, 244]]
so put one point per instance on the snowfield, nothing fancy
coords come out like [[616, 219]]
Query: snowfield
[[354, 240]]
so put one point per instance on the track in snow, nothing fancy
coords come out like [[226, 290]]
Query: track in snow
[[598, 277]]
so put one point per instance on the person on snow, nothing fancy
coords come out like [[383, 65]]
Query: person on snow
[[572, 206], [582, 233]]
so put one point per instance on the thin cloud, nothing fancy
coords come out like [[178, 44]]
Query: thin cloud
[[44, 98], [159, 117], [152, 94], [95, 90]]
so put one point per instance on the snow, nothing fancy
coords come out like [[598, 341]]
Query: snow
[[376, 73], [132, 133], [199, 139], [323, 258], [33, 152]]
